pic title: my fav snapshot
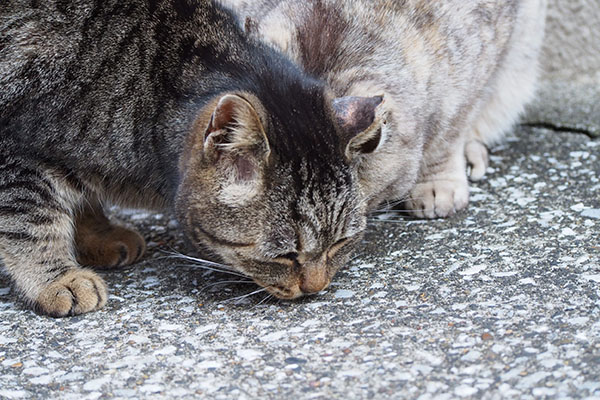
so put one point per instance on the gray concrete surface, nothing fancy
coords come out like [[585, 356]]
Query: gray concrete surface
[[503, 300]]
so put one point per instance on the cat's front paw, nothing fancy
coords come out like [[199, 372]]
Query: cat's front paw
[[111, 247], [477, 159], [76, 292], [439, 198]]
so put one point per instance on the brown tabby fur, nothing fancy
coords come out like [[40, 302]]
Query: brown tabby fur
[[166, 104]]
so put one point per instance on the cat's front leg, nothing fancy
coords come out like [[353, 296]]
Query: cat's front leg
[[443, 187], [100, 243], [36, 241]]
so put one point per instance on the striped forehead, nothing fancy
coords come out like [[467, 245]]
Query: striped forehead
[[324, 205]]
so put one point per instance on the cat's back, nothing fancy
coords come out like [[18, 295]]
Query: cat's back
[[53, 51], [328, 37], [457, 43], [56, 51], [35, 41], [447, 29], [102, 85]]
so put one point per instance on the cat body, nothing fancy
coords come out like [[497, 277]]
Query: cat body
[[454, 75], [162, 104]]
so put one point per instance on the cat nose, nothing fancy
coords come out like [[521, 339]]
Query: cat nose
[[313, 279]]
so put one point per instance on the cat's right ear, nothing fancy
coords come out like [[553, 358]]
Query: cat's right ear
[[360, 120], [235, 137]]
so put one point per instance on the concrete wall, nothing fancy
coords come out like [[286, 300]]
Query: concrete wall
[[572, 46], [569, 89]]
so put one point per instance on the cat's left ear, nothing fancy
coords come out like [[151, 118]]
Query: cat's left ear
[[360, 120], [235, 136]]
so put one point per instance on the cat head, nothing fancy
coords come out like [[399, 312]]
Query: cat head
[[276, 191]]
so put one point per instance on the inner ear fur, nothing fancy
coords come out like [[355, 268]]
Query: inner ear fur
[[360, 120], [365, 142], [236, 128]]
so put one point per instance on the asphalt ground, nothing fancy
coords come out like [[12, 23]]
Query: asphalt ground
[[499, 301]]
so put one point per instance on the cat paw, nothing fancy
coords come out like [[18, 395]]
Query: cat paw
[[110, 248], [76, 292], [438, 199], [477, 159]]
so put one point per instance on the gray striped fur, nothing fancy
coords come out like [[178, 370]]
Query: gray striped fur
[[455, 75]]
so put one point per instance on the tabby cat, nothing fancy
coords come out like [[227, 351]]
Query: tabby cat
[[454, 74], [166, 103]]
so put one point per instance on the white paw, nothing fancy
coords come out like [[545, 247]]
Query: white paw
[[477, 158], [439, 199]]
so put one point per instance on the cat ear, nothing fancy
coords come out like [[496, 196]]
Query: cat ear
[[235, 136], [251, 27], [359, 122]]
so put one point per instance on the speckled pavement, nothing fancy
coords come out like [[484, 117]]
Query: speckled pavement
[[500, 301]]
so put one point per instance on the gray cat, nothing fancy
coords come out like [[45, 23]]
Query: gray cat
[[454, 74], [160, 104]]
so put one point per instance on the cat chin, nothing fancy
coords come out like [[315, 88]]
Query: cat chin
[[285, 293]]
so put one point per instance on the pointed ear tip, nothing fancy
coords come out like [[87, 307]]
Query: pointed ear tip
[[229, 97], [238, 100], [373, 101]]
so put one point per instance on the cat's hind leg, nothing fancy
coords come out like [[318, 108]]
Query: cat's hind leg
[[476, 153], [37, 209], [100, 243], [510, 89]]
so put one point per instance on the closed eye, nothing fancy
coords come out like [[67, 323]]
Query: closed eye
[[336, 247], [288, 259]]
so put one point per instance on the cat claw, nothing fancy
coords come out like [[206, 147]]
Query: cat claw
[[477, 159]]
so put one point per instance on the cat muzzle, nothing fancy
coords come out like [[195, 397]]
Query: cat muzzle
[[314, 278]]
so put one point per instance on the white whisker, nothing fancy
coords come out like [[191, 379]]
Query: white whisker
[[388, 206], [202, 263], [403, 210], [207, 268], [198, 260], [225, 283], [388, 221], [237, 299], [263, 300]]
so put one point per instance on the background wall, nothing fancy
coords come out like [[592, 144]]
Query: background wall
[[569, 91], [572, 39]]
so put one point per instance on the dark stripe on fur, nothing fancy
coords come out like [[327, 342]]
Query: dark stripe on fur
[[18, 236]]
